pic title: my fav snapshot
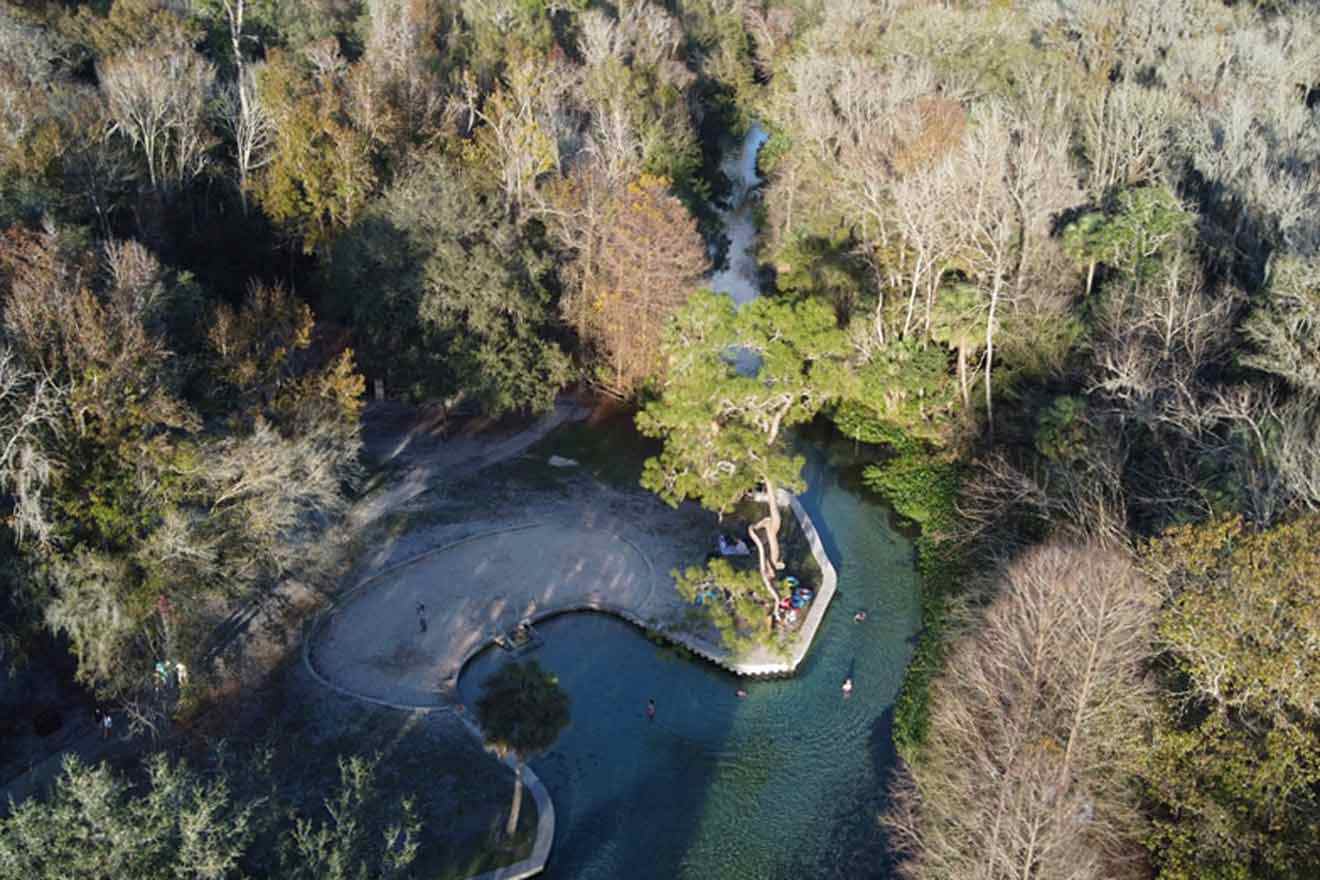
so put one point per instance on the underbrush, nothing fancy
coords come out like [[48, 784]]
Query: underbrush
[[923, 490]]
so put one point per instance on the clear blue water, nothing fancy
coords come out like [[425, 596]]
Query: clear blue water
[[787, 782]]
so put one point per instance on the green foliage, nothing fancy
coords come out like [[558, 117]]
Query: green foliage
[[1063, 435], [903, 389], [495, 34], [322, 166], [824, 266], [178, 822], [95, 825], [290, 24], [724, 428], [1131, 237], [729, 599], [148, 500], [923, 488], [522, 709], [346, 846], [1282, 327], [1234, 769], [448, 295], [129, 24]]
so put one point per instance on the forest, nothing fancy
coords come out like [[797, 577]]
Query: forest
[[1054, 261]]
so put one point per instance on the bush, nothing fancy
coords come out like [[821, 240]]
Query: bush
[[923, 489]]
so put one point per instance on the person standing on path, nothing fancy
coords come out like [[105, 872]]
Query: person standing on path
[[421, 616], [650, 709], [106, 723]]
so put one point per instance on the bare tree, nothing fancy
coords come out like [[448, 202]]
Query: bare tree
[[989, 233], [643, 37], [523, 119], [1284, 325], [88, 606], [1295, 452], [242, 111], [266, 490], [772, 31], [1080, 500], [1036, 726], [30, 407], [1127, 130], [1156, 338], [157, 98], [402, 57]]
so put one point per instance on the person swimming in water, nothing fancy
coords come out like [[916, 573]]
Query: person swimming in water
[[741, 693], [859, 617], [847, 686], [650, 709]]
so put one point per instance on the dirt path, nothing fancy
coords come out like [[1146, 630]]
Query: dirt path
[[405, 636], [424, 457]]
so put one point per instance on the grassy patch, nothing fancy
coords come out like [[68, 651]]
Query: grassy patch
[[923, 489], [477, 854], [607, 446]]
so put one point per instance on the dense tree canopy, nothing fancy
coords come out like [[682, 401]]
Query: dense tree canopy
[[1052, 265], [180, 822], [450, 295], [735, 381]]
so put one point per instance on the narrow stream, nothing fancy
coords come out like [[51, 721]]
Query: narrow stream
[[739, 278], [784, 783]]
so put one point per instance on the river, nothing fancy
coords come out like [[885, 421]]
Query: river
[[785, 782]]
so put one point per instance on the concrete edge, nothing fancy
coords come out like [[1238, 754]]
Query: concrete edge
[[545, 808], [829, 581], [344, 598], [545, 822], [545, 829]]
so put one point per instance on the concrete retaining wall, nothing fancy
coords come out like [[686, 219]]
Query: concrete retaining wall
[[758, 667]]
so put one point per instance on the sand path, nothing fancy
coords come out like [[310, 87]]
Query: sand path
[[374, 644]]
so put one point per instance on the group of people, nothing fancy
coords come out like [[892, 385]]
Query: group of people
[[104, 723], [163, 673], [731, 545]]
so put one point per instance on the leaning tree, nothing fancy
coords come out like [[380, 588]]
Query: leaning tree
[[736, 380], [522, 711]]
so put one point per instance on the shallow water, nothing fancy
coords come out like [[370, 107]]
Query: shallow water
[[739, 278], [785, 783]]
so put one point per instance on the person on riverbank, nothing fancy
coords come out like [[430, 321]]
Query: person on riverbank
[[421, 616]]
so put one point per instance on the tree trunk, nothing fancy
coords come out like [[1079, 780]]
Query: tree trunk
[[512, 827], [990, 357], [962, 378], [912, 304], [767, 550], [765, 570], [931, 287], [772, 523]]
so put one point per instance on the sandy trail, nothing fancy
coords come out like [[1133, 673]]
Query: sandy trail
[[375, 645], [426, 458]]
